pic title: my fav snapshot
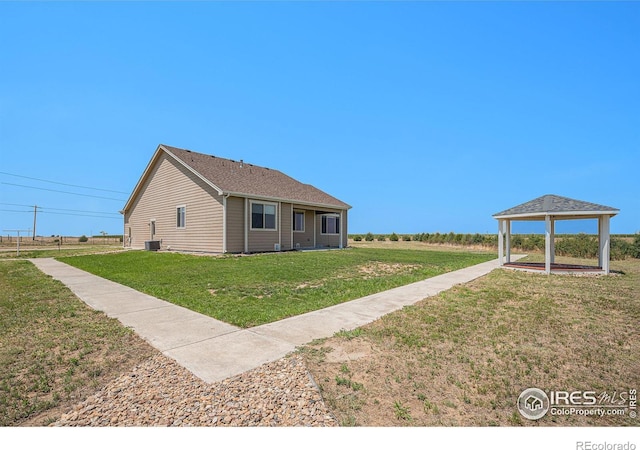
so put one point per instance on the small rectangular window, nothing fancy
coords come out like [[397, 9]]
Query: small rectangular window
[[330, 224], [263, 216], [298, 221], [181, 216], [270, 217], [257, 215]]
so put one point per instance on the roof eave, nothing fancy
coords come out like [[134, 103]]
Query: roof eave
[[564, 214], [152, 163], [286, 200], [193, 171], [141, 180]]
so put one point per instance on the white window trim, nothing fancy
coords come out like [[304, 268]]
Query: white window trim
[[185, 217], [337, 216], [260, 202], [304, 220]]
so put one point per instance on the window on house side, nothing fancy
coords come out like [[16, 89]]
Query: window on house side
[[181, 216], [330, 225], [263, 216], [298, 221]]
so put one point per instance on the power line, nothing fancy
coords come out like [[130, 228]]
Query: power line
[[61, 214], [67, 212], [63, 184], [15, 211], [64, 192], [77, 210], [16, 204], [61, 209], [79, 215]]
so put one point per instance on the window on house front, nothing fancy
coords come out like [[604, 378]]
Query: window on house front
[[181, 216], [330, 224], [298, 221], [263, 216]]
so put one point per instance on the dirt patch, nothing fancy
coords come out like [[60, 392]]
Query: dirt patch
[[377, 268], [309, 285], [353, 350]]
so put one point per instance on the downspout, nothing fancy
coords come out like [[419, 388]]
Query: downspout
[[224, 222], [341, 225], [315, 219], [246, 225], [279, 214], [124, 228]]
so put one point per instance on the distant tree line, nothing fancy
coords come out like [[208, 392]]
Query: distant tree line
[[577, 245]]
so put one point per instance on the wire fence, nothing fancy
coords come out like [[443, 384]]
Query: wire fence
[[52, 241]]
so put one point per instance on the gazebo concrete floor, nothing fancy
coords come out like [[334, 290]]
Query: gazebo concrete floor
[[555, 267]]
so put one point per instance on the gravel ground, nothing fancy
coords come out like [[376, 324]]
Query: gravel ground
[[160, 392]]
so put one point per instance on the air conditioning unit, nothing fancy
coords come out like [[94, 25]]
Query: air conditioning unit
[[276, 247], [153, 246]]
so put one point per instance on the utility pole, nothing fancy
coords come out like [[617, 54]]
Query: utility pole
[[35, 213]]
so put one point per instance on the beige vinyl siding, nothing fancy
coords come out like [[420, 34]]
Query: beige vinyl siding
[[263, 240], [331, 240], [286, 225], [304, 239], [168, 186], [235, 225]]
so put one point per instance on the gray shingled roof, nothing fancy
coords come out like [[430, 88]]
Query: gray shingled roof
[[555, 204], [244, 179]]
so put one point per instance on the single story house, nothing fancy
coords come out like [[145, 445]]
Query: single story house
[[195, 202]]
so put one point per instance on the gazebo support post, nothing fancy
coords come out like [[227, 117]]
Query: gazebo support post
[[553, 240], [604, 242], [508, 239], [547, 244], [500, 242]]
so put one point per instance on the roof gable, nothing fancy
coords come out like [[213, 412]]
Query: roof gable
[[555, 204], [242, 179]]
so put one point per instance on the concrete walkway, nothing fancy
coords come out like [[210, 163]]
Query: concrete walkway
[[215, 350]]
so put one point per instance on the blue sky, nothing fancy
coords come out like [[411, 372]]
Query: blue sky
[[425, 116]]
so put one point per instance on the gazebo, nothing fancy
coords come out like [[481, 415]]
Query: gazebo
[[551, 208]]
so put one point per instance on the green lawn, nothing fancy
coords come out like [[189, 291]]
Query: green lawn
[[54, 349], [251, 290], [54, 252]]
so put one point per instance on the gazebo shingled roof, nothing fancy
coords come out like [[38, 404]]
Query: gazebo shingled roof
[[551, 208], [555, 204]]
